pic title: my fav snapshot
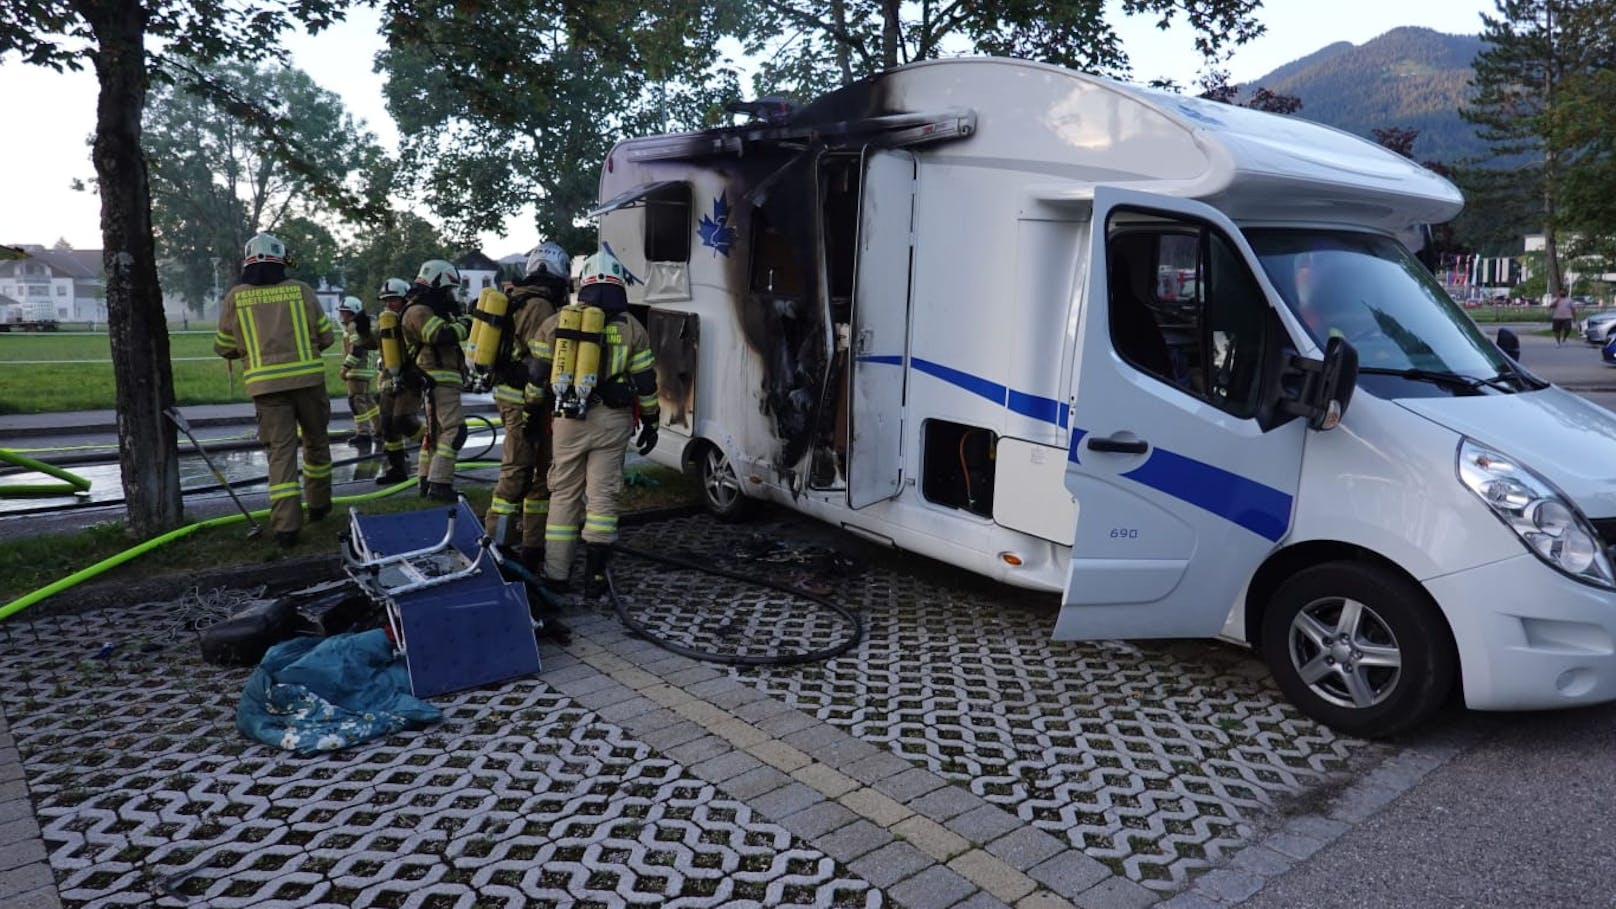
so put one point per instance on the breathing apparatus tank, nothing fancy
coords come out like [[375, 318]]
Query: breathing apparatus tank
[[487, 324], [568, 322], [587, 372], [392, 347], [577, 358]]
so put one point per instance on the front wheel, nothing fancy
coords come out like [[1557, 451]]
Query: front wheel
[[721, 488], [1358, 648]]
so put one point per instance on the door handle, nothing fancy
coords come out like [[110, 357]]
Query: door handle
[[1119, 446]]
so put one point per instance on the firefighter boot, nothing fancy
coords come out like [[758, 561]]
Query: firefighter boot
[[440, 492], [596, 555], [396, 471]]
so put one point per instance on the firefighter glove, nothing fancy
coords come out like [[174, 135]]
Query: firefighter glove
[[647, 439]]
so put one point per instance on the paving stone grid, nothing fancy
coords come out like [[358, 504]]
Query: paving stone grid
[[521, 797], [1159, 760]]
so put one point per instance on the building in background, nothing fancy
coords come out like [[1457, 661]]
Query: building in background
[[66, 285]]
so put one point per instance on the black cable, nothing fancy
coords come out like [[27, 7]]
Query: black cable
[[493, 437], [734, 659]]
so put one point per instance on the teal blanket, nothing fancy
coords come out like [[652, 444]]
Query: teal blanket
[[311, 695]]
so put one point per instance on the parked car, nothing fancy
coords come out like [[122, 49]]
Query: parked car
[[1609, 351], [1599, 327]]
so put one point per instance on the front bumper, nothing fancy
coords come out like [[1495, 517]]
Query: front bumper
[[1529, 638]]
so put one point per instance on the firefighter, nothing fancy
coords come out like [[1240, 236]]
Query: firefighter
[[400, 393], [357, 343], [590, 432], [434, 329], [525, 463], [277, 325]]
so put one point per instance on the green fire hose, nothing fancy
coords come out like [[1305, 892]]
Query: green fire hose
[[72, 484], [140, 549]]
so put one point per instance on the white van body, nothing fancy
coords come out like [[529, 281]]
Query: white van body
[[895, 311]]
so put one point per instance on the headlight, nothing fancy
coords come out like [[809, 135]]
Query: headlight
[[1549, 525]]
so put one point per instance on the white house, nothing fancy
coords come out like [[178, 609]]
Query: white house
[[70, 281]]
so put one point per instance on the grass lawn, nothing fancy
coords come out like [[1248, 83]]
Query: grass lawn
[[65, 371], [29, 563]]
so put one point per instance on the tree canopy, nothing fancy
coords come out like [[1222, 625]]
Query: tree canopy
[[219, 177], [129, 43]]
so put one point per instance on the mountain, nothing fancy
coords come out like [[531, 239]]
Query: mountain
[[1414, 78]]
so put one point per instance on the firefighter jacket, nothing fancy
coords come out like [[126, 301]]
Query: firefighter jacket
[[356, 350], [433, 341], [279, 329], [626, 365], [533, 307]]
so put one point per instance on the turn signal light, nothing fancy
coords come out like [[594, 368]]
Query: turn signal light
[[1011, 559]]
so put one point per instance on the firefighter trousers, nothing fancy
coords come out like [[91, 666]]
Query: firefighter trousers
[[586, 465], [400, 418], [363, 407], [282, 415], [523, 484], [445, 435]]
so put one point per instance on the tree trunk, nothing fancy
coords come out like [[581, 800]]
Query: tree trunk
[[844, 61], [889, 33], [139, 334]]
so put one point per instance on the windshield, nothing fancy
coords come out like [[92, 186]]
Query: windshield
[[1367, 289]]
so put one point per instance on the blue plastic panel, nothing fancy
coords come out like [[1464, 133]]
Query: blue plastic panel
[[389, 534], [463, 634]]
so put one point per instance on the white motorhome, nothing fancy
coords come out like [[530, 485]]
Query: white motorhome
[[1080, 336]]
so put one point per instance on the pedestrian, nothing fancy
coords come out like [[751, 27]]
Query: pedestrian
[[399, 398], [525, 462], [589, 435], [277, 325], [357, 343], [434, 329], [1563, 314]]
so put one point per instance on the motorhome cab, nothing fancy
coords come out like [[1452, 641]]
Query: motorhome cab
[[1086, 337]]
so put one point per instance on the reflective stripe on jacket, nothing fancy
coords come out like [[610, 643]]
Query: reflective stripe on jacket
[[279, 329], [444, 362]]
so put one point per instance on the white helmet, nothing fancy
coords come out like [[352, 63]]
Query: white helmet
[[393, 287], [603, 268], [263, 248], [549, 258], [351, 304], [437, 273]]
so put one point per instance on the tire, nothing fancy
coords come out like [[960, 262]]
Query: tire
[[720, 487], [1413, 667]]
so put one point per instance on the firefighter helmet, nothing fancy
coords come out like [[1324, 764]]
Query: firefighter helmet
[[549, 258], [437, 273], [603, 268], [263, 248], [351, 304], [393, 287]]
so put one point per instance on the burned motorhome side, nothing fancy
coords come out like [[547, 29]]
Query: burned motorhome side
[[877, 296]]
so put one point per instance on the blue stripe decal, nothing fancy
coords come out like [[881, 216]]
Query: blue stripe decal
[[976, 385], [1047, 410], [1259, 508]]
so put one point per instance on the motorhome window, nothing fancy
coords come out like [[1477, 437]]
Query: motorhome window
[[775, 269], [1184, 308], [667, 224], [1367, 289]]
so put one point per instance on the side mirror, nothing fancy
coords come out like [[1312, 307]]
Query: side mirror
[[1320, 390], [1509, 344]]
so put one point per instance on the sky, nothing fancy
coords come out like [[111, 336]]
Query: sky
[[52, 114]]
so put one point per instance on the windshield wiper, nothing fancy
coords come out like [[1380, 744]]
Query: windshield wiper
[[1440, 377], [1515, 371]]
